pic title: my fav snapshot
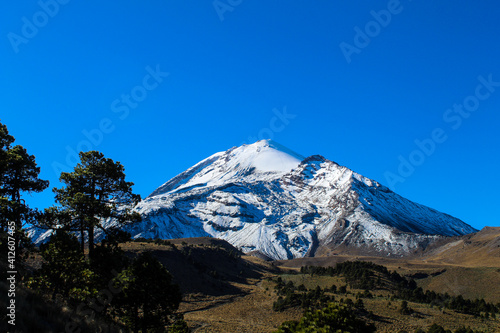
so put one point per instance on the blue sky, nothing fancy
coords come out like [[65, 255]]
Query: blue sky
[[357, 82]]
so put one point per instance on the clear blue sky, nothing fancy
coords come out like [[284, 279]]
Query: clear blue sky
[[70, 71]]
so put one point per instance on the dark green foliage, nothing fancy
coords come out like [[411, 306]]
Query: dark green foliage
[[108, 257], [64, 271], [94, 191], [457, 303], [179, 326], [162, 242], [359, 304], [358, 274], [332, 318], [435, 328], [404, 309], [36, 313], [148, 297], [18, 174], [466, 330], [289, 296]]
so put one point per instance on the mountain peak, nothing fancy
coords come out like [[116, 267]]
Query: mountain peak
[[266, 156], [263, 160], [275, 145]]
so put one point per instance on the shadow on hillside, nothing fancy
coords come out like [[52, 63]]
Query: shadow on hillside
[[202, 268]]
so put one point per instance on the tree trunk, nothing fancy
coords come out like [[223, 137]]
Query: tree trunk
[[91, 221], [17, 215], [54, 293], [82, 238], [91, 240], [144, 319], [136, 320]]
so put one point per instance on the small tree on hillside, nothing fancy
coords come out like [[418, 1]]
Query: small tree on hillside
[[64, 270], [148, 297], [405, 309], [94, 191]]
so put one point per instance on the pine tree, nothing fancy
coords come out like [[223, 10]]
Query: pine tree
[[94, 191], [404, 309], [108, 257], [65, 270], [5, 141], [18, 174], [148, 297]]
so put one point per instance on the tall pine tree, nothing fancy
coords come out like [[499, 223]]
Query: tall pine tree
[[94, 191], [5, 141], [18, 174], [21, 175]]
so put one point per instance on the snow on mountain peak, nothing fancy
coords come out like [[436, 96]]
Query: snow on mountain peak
[[262, 160], [267, 156]]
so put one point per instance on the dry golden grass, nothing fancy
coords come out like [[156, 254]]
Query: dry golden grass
[[390, 320], [251, 313], [470, 282]]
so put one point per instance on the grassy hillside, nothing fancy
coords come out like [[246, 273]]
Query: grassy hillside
[[478, 249], [470, 282]]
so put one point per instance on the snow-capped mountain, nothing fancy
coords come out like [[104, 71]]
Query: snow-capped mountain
[[264, 197]]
